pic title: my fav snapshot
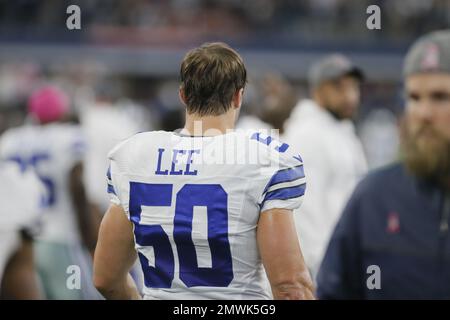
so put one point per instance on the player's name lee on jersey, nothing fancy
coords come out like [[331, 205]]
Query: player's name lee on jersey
[[175, 165], [227, 149]]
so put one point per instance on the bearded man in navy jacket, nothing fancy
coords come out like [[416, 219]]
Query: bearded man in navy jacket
[[392, 241]]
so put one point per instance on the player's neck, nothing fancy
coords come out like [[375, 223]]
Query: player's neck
[[209, 125]]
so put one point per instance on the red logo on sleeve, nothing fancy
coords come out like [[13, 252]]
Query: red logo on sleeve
[[393, 223]]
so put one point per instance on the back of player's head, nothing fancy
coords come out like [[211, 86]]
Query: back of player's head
[[48, 104], [210, 76], [430, 53]]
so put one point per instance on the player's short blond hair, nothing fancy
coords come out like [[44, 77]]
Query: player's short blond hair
[[210, 76]]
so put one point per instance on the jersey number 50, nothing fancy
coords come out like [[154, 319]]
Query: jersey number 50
[[212, 196]]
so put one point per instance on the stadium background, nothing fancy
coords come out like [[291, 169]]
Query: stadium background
[[129, 51], [127, 54]]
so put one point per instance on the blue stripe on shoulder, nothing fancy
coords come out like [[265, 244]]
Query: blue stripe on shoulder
[[286, 175], [111, 189], [286, 193], [108, 173]]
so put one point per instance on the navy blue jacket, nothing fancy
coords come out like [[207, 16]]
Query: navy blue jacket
[[398, 223]]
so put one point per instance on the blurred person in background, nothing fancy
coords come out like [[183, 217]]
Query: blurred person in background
[[104, 123], [166, 105], [250, 116], [323, 131], [397, 219], [268, 105], [380, 137], [20, 214], [55, 150], [279, 99]]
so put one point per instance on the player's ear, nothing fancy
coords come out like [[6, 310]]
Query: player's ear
[[237, 98], [182, 96]]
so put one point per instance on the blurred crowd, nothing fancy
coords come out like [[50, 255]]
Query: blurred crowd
[[153, 103], [269, 22]]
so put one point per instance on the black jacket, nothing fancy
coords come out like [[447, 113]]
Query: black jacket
[[398, 223]]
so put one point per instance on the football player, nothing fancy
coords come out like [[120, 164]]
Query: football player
[[207, 209], [55, 149]]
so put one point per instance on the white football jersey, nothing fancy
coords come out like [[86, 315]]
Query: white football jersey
[[195, 204], [51, 150], [20, 196], [103, 127]]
